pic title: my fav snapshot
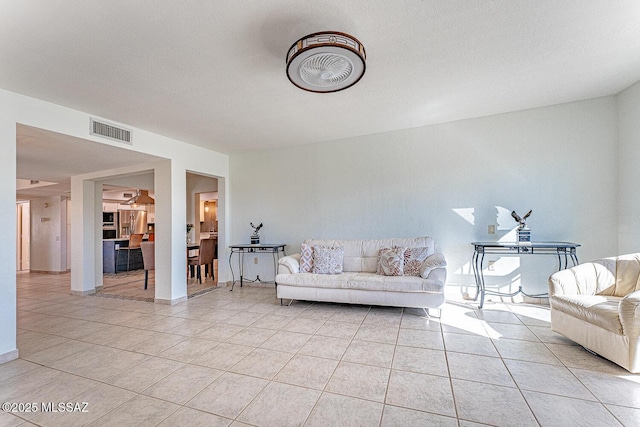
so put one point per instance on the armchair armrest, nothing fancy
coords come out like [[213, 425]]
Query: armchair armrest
[[629, 309], [289, 264]]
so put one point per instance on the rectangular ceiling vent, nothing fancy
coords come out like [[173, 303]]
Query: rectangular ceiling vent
[[110, 131]]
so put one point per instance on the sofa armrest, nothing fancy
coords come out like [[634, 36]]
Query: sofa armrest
[[582, 279], [289, 264], [629, 309], [439, 274]]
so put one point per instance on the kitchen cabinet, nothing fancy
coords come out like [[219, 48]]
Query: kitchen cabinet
[[110, 206]]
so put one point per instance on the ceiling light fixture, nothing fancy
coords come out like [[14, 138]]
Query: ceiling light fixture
[[328, 61]]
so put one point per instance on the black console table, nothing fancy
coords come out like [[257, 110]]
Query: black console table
[[241, 249], [563, 250]]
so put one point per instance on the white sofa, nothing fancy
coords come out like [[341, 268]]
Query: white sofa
[[359, 283], [597, 305]]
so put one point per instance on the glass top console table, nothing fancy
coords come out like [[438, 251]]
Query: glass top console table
[[563, 250], [241, 249]]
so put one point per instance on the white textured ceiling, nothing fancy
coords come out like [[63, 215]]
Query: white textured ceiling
[[213, 72]]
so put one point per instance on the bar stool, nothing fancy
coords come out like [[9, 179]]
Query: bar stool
[[134, 244]]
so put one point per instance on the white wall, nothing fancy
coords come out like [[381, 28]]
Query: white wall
[[49, 234], [448, 181], [629, 188]]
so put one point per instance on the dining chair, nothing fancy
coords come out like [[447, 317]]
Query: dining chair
[[148, 259], [134, 245], [206, 255]]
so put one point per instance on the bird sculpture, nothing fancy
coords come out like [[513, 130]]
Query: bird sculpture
[[255, 229], [521, 220]]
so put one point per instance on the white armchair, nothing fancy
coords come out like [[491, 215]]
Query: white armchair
[[597, 305]]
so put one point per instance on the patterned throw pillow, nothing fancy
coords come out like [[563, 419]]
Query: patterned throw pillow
[[413, 259], [306, 258], [392, 261], [327, 259]]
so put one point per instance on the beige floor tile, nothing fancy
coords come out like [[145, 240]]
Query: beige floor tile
[[139, 411], [394, 416], [349, 314], [526, 350], [183, 384], [130, 339], [220, 332], [463, 324], [20, 384], [266, 408], [194, 418], [10, 420], [546, 335], [63, 389], [303, 325], [485, 403], [622, 390], [369, 353], [498, 316], [159, 343], [190, 328], [244, 318], [16, 367], [307, 371], [228, 395], [329, 347], [419, 320], [383, 334], [42, 342], [262, 363], [271, 321], [58, 352], [100, 400], [420, 338], [629, 417], [189, 349], [490, 370], [320, 311], [420, 391], [223, 356], [362, 381], [572, 409], [422, 360], [337, 410], [575, 356], [338, 329], [252, 337], [550, 379], [470, 344], [500, 331], [99, 363], [290, 342], [145, 374]]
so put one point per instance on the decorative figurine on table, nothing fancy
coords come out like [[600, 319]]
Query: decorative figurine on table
[[255, 237], [523, 232]]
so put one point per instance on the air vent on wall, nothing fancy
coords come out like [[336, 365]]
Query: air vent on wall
[[109, 131]]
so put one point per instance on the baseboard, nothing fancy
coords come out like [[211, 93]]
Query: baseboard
[[8, 356], [83, 293], [170, 301]]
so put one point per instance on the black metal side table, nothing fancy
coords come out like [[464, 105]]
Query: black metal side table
[[563, 250], [241, 249]]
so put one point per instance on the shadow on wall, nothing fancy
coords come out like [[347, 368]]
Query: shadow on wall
[[502, 273]]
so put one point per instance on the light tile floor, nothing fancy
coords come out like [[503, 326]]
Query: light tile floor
[[240, 358]]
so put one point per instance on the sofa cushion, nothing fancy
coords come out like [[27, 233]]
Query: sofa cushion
[[327, 259], [599, 310], [391, 261], [306, 258], [362, 255], [362, 281]]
